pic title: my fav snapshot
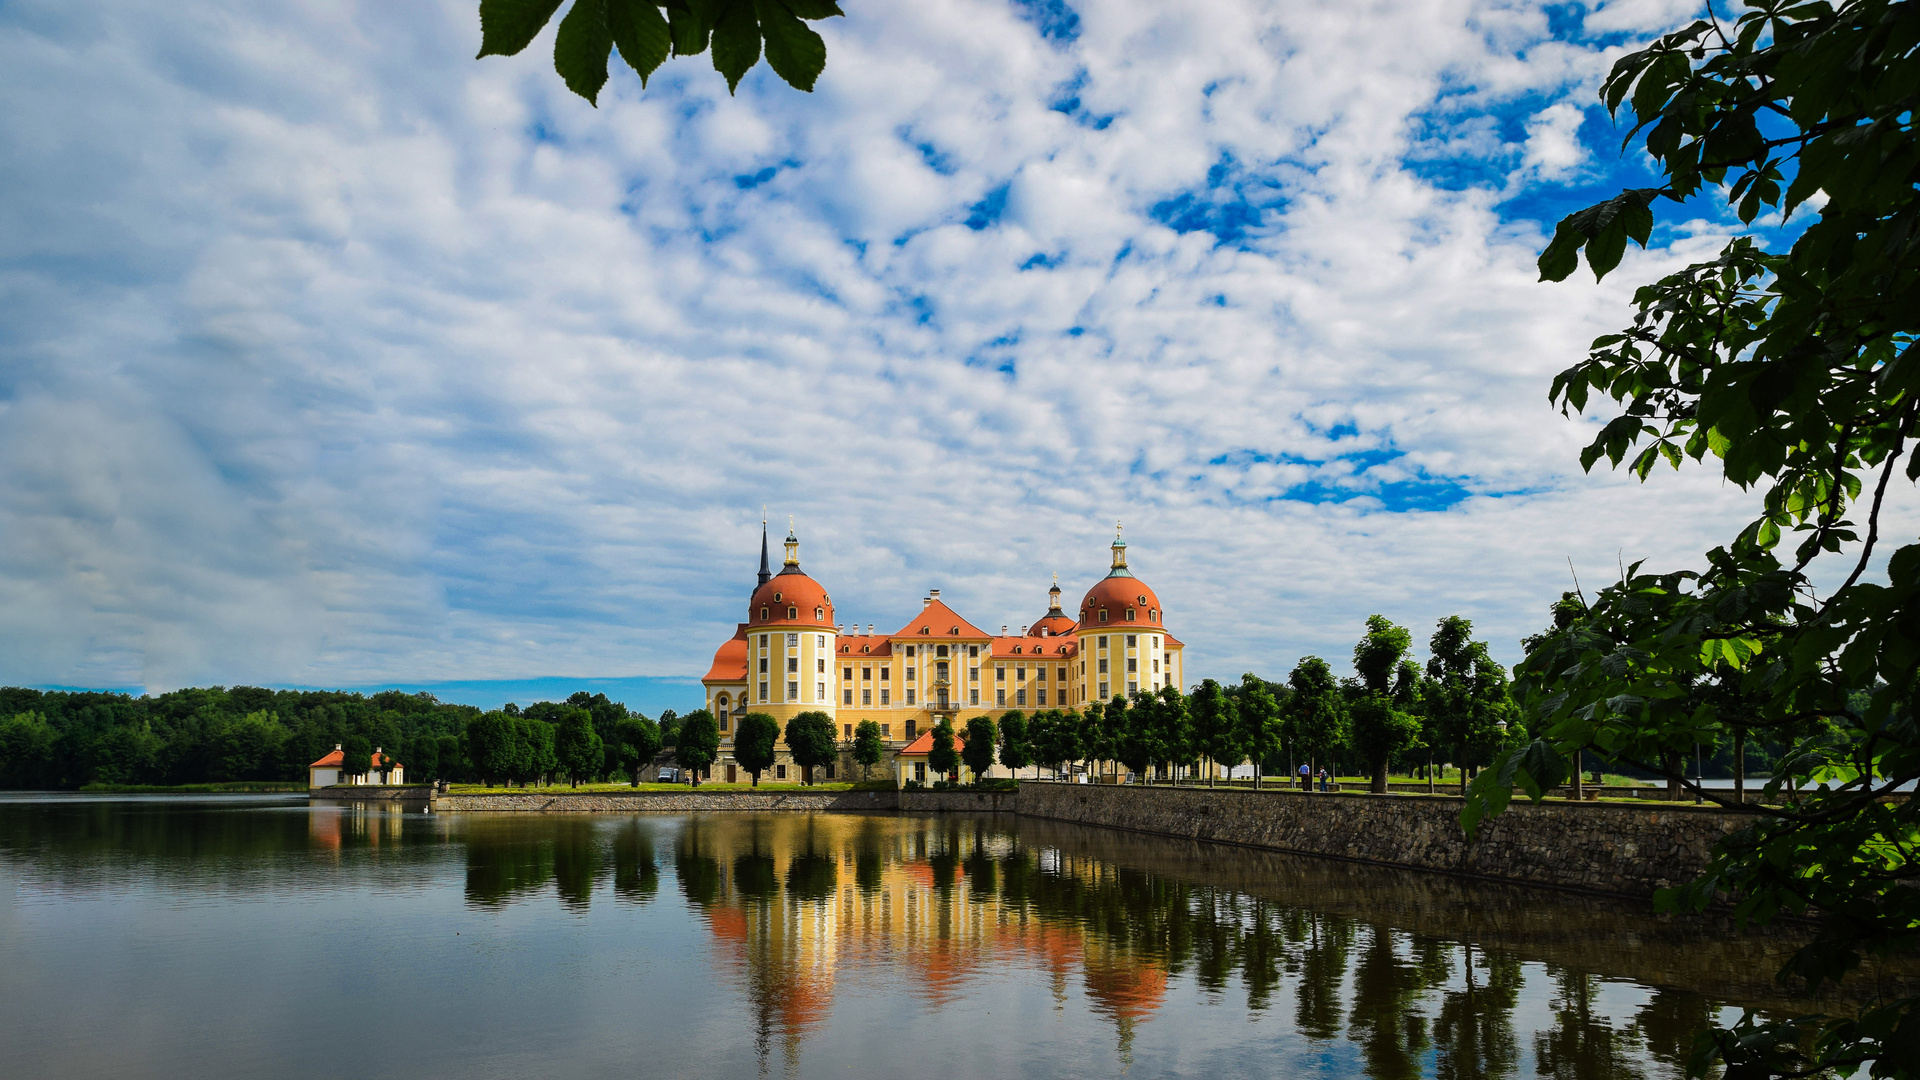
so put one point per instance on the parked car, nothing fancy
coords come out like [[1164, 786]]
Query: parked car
[[668, 776]]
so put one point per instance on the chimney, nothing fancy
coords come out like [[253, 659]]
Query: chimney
[[336, 746], [933, 594], [869, 629], [925, 600], [1003, 629], [1023, 631]]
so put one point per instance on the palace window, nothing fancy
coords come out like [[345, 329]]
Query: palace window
[[1020, 674], [1101, 641], [1133, 687], [1040, 673], [973, 696], [1133, 640], [909, 674], [721, 722], [793, 663], [910, 730], [1133, 664], [1156, 663], [1040, 696], [1062, 673], [999, 674], [846, 674], [866, 673], [939, 650], [1103, 691], [792, 612], [1129, 614], [763, 618], [818, 614], [973, 674], [763, 637], [940, 670], [1153, 615], [820, 691], [849, 730], [793, 641], [1000, 698], [793, 691], [883, 696], [909, 695], [886, 731], [763, 665], [910, 648], [763, 690], [820, 666], [886, 674], [1016, 650], [1019, 697], [1103, 614], [1103, 665], [846, 696], [973, 650], [866, 696]]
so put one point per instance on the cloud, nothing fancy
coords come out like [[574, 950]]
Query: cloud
[[329, 355]]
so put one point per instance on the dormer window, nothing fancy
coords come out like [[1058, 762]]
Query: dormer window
[[819, 614], [794, 612], [763, 614], [866, 648], [954, 631], [924, 630], [1103, 614], [1129, 614], [1153, 615]]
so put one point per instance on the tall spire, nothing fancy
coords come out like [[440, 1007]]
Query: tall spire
[[766, 573], [1119, 555], [793, 551]]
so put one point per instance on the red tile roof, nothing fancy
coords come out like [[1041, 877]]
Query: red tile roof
[[852, 645], [923, 745], [730, 659], [937, 620], [338, 758]]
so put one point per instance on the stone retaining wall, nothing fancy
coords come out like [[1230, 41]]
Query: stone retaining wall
[[1592, 847], [562, 800], [372, 793]]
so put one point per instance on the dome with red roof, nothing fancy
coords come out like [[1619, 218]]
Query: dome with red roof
[[1055, 622], [791, 598], [1122, 597]]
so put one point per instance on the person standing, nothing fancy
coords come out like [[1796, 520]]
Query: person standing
[[1323, 779], [1306, 777]]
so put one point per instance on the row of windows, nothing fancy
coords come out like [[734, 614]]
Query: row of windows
[[1153, 615]]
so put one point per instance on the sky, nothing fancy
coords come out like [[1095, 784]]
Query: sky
[[332, 356]]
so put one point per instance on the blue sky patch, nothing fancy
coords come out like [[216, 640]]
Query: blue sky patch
[[1056, 21]]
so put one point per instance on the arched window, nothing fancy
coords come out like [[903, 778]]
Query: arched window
[[1103, 614], [763, 614], [1153, 615], [792, 612], [819, 613], [1129, 614]]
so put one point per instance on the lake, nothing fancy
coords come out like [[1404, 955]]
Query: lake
[[173, 936]]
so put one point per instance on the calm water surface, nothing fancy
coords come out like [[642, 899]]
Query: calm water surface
[[255, 936]]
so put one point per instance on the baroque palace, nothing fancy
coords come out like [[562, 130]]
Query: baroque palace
[[790, 656]]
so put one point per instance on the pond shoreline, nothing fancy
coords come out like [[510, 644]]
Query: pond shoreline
[[1616, 849]]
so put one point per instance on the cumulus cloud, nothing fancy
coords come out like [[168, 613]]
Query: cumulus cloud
[[330, 355]]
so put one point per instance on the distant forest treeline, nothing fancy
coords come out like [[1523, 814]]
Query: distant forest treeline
[[62, 740]]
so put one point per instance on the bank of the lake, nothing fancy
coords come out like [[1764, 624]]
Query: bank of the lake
[[1617, 848]]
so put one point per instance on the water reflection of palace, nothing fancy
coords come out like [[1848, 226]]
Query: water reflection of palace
[[1403, 977]]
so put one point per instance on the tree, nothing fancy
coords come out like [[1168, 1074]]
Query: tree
[[1316, 715], [1065, 742], [636, 741], [1382, 729], [538, 758], [577, 747], [1798, 373], [669, 727], [980, 745], [1213, 727], [1258, 728], [1016, 749], [753, 739], [941, 757], [698, 743], [449, 764], [490, 746], [868, 749], [357, 759], [1136, 745], [1095, 738], [1465, 695], [1173, 727], [810, 739], [646, 36]]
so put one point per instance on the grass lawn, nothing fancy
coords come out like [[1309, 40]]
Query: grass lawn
[[238, 787], [627, 789]]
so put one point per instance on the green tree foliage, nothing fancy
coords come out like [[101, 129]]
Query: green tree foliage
[[1382, 727], [577, 746], [982, 735], [1132, 725], [1215, 726], [1173, 728], [739, 32], [941, 756], [538, 756], [1260, 728], [669, 722], [27, 757], [1096, 742], [1796, 372], [811, 741], [449, 763], [1066, 740], [1316, 715], [490, 746], [753, 743], [699, 741], [1464, 696], [1016, 750], [868, 749], [357, 756], [636, 741]]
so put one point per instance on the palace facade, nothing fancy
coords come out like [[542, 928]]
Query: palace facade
[[791, 656]]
